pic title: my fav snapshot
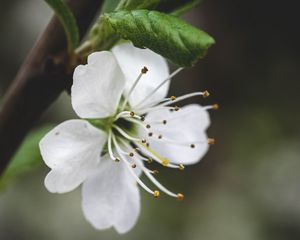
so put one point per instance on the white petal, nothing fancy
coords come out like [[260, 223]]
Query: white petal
[[111, 198], [97, 86], [186, 126], [72, 150], [132, 60]]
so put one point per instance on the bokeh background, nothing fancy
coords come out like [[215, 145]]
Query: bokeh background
[[246, 187]]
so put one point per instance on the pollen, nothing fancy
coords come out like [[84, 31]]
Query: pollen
[[165, 162], [117, 159], [211, 141], [173, 98], [180, 196], [164, 121], [215, 106], [150, 160], [181, 167], [131, 154], [133, 165], [142, 118], [132, 114], [176, 108], [156, 193], [192, 146], [144, 70], [155, 172], [147, 145], [159, 136], [206, 94], [150, 134], [148, 126], [144, 141]]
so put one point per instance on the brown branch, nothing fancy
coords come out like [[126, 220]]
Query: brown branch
[[40, 80]]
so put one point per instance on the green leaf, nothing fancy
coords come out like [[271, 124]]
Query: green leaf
[[165, 34], [68, 21], [27, 157]]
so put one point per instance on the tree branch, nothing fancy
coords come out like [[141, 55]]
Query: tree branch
[[40, 80]]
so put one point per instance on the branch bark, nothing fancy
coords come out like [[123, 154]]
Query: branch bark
[[40, 80]]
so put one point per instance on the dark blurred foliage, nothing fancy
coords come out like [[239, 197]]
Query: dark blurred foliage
[[246, 187]]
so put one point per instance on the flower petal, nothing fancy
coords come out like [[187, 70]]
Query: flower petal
[[72, 150], [184, 128], [110, 198], [132, 60], [97, 86]]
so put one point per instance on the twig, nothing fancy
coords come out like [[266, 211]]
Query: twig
[[40, 80]]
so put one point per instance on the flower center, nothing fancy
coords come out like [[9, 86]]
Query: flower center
[[126, 127]]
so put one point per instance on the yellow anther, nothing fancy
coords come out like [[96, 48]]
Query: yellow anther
[[180, 196], [215, 106], [165, 162], [173, 98], [148, 126], [133, 165], [164, 121], [150, 160], [131, 154], [181, 167], [117, 159], [132, 114], [206, 94], [144, 70], [192, 146], [211, 141], [156, 193], [155, 172]]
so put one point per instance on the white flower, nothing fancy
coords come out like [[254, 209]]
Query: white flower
[[125, 118]]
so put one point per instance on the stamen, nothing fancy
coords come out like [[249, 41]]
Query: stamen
[[139, 181], [211, 141], [181, 167], [125, 135], [214, 107], [206, 94], [158, 87], [133, 165], [183, 97], [165, 122], [143, 71], [109, 146], [156, 157], [159, 185], [156, 194], [180, 196]]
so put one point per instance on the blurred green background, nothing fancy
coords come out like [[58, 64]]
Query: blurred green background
[[246, 187]]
